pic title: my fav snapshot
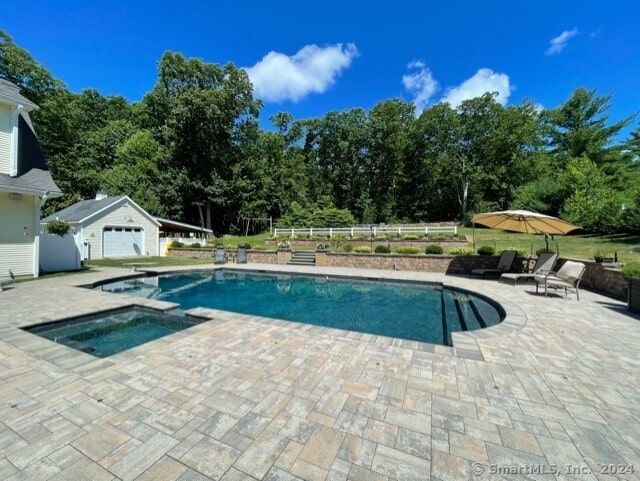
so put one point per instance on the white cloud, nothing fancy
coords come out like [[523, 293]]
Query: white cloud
[[420, 83], [278, 77], [483, 81], [557, 44]]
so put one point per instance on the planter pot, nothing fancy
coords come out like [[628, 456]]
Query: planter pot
[[633, 295]]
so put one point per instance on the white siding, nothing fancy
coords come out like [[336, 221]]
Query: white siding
[[5, 139], [17, 245], [126, 216]]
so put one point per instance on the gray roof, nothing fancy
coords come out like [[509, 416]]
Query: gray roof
[[182, 226], [12, 93], [83, 209], [36, 181]]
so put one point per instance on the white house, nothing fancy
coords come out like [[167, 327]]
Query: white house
[[25, 184], [110, 227]]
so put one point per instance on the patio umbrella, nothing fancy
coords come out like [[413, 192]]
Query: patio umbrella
[[525, 221]]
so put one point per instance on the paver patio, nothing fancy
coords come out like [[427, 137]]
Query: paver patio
[[553, 393]]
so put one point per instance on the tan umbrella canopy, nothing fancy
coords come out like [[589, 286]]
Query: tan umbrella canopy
[[524, 221]]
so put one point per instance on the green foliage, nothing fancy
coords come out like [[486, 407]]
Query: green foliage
[[593, 205], [542, 251], [486, 250], [299, 217], [323, 246], [284, 244], [246, 245], [381, 249], [433, 249], [632, 269], [176, 244], [195, 245], [411, 237], [518, 250], [362, 249], [461, 251], [58, 227], [408, 250]]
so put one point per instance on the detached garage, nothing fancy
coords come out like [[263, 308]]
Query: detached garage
[[110, 227]]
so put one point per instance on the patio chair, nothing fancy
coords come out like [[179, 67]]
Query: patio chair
[[8, 279], [219, 255], [504, 264], [568, 278], [241, 255], [544, 265]]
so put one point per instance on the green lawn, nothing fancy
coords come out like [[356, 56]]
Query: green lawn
[[573, 246], [161, 261]]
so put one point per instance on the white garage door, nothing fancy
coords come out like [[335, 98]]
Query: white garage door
[[122, 241]]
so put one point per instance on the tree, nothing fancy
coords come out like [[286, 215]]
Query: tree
[[337, 148], [592, 204], [198, 111], [140, 172], [18, 67], [388, 126], [579, 127], [430, 178]]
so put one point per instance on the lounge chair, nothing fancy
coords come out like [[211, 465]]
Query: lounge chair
[[8, 279], [219, 255], [504, 264], [568, 278], [241, 255], [544, 264]]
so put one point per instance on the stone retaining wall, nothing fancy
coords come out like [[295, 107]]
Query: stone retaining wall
[[606, 280]]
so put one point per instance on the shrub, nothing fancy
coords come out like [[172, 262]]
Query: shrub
[[299, 216], [520, 252], [177, 244], [58, 227], [284, 244], [486, 250], [195, 245], [461, 251], [347, 248], [433, 249], [408, 250], [437, 237], [382, 249], [411, 237], [362, 249], [323, 246], [259, 247], [543, 250], [632, 269], [246, 245]]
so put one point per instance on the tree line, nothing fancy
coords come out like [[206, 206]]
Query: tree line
[[192, 150]]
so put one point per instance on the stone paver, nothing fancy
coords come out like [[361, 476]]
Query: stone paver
[[553, 389]]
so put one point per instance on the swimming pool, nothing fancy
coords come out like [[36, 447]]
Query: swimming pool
[[415, 311]]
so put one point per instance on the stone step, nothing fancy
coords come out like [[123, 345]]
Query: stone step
[[303, 258]]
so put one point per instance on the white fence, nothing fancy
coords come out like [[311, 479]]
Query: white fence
[[372, 231], [163, 241], [59, 253]]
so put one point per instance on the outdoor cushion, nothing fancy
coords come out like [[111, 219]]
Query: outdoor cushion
[[568, 277]]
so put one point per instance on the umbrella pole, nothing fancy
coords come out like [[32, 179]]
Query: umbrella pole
[[474, 236]]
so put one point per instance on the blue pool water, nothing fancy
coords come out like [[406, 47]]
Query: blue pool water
[[111, 332], [426, 313]]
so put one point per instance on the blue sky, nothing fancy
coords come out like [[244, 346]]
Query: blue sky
[[309, 58]]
